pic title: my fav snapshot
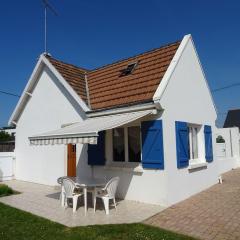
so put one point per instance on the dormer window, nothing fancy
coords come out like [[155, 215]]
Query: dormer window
[[129, 69]]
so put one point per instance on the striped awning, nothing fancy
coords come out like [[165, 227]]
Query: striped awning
[[87, 130]]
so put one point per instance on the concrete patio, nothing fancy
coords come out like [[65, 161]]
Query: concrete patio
[[44, 201]]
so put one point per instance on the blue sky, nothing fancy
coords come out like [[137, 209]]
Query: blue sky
[[90, 33]]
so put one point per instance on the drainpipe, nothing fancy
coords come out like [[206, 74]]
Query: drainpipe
[[92, 171]]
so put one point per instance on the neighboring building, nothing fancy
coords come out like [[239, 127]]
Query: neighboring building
[[8, 145], [10, 130], [151, 115], [232, 119], [227, 149]]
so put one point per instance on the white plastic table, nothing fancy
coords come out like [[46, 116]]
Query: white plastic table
[[88, 182]]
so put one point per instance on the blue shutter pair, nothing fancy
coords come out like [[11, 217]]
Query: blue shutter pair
[[96, 153], [152, 145], [182, 144]]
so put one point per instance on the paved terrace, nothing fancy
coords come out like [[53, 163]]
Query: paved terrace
[[44, 201], [213, 214]]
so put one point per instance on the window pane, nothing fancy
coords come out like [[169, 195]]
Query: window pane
[[194, 132], [118, 145], [134, 148]]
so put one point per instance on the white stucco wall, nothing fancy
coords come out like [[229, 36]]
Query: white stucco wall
[[49, 107], [187, 99]]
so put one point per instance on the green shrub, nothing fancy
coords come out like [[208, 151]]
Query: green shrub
[[4, 136], [220, 139], [5, 190]]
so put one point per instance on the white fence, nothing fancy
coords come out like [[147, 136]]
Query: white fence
[[7, 162], [228, 153]]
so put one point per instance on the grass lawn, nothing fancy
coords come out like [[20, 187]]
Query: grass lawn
[[16, 224], [6, 191]]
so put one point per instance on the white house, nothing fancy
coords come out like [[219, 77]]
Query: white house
[[147, 119]]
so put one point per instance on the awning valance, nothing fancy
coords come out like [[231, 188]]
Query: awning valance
[[87, 130]]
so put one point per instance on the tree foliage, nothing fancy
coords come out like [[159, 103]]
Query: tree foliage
[[220, 139], [4, 137]]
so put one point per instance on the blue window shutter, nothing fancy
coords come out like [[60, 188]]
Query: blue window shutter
[[152, 145], [182, 144], [208, 143], [96, 153]]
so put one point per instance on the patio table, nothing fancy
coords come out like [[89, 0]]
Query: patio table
[[88, 182]]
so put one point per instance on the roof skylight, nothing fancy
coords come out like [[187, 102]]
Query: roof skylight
[[129, 69]]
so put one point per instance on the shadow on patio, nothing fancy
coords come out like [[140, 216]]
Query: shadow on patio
[[44, 201]]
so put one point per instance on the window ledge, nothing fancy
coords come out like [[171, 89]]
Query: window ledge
[[125, 168], [197, 165]]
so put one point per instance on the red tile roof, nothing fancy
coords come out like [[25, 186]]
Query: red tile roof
[[109, 88], [75, 76]]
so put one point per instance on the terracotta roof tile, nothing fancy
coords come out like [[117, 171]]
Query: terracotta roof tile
[[107, 88], [74, 75]]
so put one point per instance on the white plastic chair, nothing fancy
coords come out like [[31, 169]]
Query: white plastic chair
[[60, 181], [107, 193], [69, 187]]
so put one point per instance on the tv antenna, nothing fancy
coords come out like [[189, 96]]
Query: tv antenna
[[47, 6]]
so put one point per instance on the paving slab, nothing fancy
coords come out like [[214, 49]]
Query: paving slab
[[43, 201], [213, 214]]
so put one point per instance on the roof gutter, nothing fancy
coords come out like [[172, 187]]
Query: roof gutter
[[87, 90], [171, 68], [125, 109], [26, 95]]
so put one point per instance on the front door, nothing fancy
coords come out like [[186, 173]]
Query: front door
[[71, 162]]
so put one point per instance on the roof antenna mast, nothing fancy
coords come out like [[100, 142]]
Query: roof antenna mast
[[46, 7]]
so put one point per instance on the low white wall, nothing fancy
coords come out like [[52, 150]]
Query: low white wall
[[6, 166], [231, 158]]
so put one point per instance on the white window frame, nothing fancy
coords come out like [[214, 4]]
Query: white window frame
[[192, 128], [200, 161], [126, 153]]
